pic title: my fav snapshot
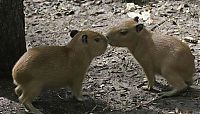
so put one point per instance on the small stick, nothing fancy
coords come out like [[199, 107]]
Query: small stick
[[156, 26], [60, 97], [92, 109]]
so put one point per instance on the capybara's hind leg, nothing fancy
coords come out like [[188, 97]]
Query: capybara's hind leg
[[177, 83], [77, 90], [28, 95], [18, 90]]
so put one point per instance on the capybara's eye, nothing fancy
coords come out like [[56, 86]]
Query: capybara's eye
[[124, 31], [97, 39]]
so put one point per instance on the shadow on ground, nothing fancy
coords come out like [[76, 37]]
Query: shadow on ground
[[50, 102], [54, 102]]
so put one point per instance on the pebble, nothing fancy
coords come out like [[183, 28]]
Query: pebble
[[38, 31], [180, 8], [107, 1], [122, 95], [186, 5], [98, 2], [176, 33], [98, 95], [58, 14], [190, 40], [88, 4], [171, 11], [101, 11], [69, 13], [38, 1], [130, 7], [174, 23]]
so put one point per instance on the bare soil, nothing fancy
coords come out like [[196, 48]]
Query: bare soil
[[114, 80]]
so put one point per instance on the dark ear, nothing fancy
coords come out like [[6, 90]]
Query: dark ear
[[84, 39], [136, 19], [73, 33], [139, 27]]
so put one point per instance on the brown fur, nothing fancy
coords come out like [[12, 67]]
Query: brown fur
[[56, 66], [157, 54]]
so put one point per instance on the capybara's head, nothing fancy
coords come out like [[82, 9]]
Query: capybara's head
[[125, 33], [91, 42]]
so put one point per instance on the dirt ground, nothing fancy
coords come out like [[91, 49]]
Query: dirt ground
[[114, 80]]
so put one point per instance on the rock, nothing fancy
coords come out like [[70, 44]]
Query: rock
[[38, 31], [102, 85], [84, 23], [187, 10], [186, 5], [58, 14], [98, 2], [190, 40], [64, 8], [46, 3], [101, 11], [98, 95], [77, 1], [144, 15], [138, 7], [130, 7], [133, 15], [69, 13], [34, 24], [113, 89], [88, 3], [163, 15], [107, 1], [122, 11], [116, 10], [171, 112], [102, 91], [122, 95], [174, 23], [95, 25], [150, 21], [180, 8], [171, 11], [38, 1], [176, 33]]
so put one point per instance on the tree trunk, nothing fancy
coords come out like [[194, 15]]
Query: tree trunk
[[12, 34]]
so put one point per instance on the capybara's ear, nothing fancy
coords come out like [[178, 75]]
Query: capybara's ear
[[73, 33], [136, 19], [84, 39], [139, 27]]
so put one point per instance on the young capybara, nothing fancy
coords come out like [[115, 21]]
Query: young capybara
[[56, 66], [157, 54]]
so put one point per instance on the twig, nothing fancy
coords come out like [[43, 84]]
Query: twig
[[152, 29], [60, 97], [35, 6], [105, 108], [142, 84], [91, 110], [144, 104]]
